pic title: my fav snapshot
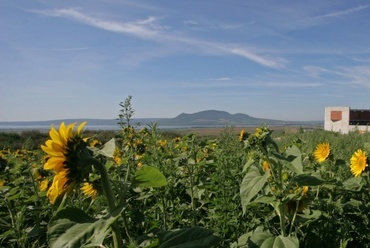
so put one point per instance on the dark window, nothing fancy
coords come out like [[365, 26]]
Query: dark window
[[359, 117]]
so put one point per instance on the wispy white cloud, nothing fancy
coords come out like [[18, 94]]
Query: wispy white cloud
[[149, 29], [358, 75], [362, 60], [349, 76], [343, 12], [67, 49], [235, 25], [291, 84], [140, 28], [223, 79], [306, 17], [315, 71], [286, 83], [269, 62], [195, 25]]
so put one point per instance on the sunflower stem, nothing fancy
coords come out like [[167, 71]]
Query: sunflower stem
[[107, 187], [294, 217], [282, 218]]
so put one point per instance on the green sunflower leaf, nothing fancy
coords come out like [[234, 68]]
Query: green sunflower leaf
[[252, 183], [72, 228], [307, 180], [353, 184], [295, 157], [193, 237], [149, 176], [108, 148], [280, 242]]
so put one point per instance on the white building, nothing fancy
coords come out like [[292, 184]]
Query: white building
[[344, 119]]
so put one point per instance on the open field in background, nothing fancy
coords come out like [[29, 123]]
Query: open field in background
[[214, 131], [18, 138]]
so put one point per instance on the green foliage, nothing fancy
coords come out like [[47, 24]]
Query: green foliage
[[30, 140], [74, 228], [253, 190], [24, 211], [33, 139], [194, 237], [149, 176], [252, 184]]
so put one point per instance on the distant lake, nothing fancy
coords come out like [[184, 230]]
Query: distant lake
[[92, 127], [46, 128], [204, 119], [112, 124]]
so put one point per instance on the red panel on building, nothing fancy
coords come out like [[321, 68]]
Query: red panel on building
[[335, 115]]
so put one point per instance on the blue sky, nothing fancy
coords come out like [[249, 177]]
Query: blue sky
[[284, 60]]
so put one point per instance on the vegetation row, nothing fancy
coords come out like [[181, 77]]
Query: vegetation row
[[141, 188]]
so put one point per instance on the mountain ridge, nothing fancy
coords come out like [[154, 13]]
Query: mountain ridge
[[217, 117]]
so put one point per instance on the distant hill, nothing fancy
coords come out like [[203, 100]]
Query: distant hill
[[217, 118], [207, 118]]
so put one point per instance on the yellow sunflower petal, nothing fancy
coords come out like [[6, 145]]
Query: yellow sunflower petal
[[55, 163], [50, 150], [89, 190], [57, 147], [54, 135], [70, 130], [44, 185], [63, 132], [265, 165], [57, 188], [81, 126]]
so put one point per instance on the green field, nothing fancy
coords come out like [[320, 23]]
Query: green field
[[228, 187]]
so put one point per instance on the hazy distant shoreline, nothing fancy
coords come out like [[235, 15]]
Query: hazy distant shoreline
[[203, 119], [46, 128]]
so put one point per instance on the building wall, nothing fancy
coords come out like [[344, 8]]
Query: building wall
[[337, 119]]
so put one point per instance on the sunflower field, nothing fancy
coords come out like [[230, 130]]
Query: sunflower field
[[140, 188]]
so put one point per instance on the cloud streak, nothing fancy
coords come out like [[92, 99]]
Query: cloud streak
[[148, 29], [138, 28], [348, 76], [358, 75], [343, 12], [67, 49], [247, 84], [273, 63]]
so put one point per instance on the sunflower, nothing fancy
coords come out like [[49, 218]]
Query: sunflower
[[117, 156], [95, 143], [305, 190], [261, 130], [358, 162], [90, 189], [43, 185], [265, 165], [65, 149], [322, 152], [301, 202], [242, 135], [162, 143], [258, 132]]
